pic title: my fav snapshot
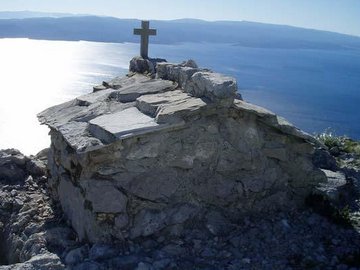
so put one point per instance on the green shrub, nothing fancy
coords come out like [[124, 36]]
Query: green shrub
[[329, 139]]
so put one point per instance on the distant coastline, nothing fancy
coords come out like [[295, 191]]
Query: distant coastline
[[68, 27]]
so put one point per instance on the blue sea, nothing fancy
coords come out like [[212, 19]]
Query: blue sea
[[313, 89]]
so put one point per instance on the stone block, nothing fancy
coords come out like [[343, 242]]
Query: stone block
[[213, 86], [104, 197], [147, 66]]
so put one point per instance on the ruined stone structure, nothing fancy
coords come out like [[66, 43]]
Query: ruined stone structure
[[165, 147]]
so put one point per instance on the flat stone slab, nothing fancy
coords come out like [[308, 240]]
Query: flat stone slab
[[169, 107], [77, 136], [273, 120], [251, 108], [124, 124], [91, 98], [59, 115], [173, 112], [132, 92], [121, 82]]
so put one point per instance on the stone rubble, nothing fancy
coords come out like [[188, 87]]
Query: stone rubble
[[28, 220]]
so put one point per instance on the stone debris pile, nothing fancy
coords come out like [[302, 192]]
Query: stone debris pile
[[30, 230], [161, 150]]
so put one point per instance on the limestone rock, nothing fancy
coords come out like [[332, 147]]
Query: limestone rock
[[47, 261], [110, 201], [189, 63], [12, 166], [129, 79], [333, 188], [141, 65], [179, 73], [157, 150], [170, 107], [149, 221], [213, 86], [324, 160], [108, 128], [132, 92]]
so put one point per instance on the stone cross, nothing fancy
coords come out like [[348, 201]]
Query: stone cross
[[144, 32]]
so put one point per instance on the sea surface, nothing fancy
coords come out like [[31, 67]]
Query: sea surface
[[313, 89]]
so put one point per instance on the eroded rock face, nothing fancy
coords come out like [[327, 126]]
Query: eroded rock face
[[178, 147]]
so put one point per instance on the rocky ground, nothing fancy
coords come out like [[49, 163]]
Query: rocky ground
[[324, 235]]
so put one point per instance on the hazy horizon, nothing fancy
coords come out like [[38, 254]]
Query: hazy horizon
[[328, 15], [41, 14]]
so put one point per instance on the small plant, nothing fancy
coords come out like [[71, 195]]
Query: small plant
[[351, 146], [329, 139], [344, 143]]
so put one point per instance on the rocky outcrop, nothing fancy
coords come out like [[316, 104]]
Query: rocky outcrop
[[146, 155], [29, 233], [35, 237]]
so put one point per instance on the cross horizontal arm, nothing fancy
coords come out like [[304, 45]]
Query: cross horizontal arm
[[152, 32], [138, 31], [149, 32]]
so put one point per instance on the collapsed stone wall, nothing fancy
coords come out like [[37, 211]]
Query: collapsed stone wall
[[226, 154]]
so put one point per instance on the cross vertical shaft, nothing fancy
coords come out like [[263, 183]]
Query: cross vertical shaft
[[144, 32]]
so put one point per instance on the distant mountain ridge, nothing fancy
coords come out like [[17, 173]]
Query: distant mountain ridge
[[24, 14], [240, 33]]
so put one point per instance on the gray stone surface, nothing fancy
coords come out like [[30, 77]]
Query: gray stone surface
[[214, 86], [150, 156], [104, 197], [98, 96], [132, 92], [129, 79], [178, 73], [334, 186], [145, 65], [171, 236], [169, 107], [47, 261], [12, 166], [119, 125], [26, 230]]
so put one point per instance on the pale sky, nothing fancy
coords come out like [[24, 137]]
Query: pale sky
[[333, 15]]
